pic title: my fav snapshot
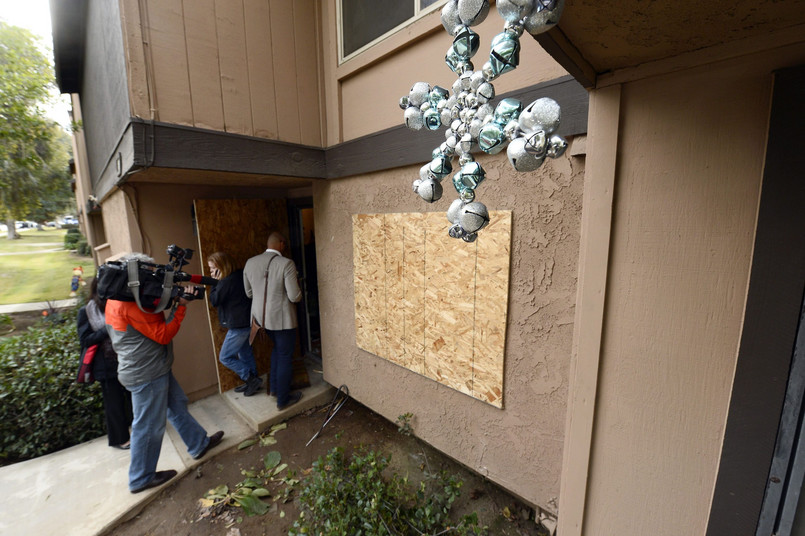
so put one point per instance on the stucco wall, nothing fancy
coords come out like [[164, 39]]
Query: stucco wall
[[519, 447], [689, 165]]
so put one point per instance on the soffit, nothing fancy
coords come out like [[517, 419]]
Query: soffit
[[626, 33]]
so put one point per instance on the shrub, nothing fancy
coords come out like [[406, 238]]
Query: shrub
[[42, 409], [71, 238], [355, 497], [83, 248]]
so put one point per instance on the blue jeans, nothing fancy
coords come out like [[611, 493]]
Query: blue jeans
[[281, 370], [236, 353], [151, 403]]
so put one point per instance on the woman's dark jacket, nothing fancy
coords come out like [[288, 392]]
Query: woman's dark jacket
[[229, 296], [104, 366]]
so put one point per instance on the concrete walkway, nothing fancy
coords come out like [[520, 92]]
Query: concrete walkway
[[83, 490], [36, 306]]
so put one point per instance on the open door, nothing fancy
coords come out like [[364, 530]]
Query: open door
[[240, 227]]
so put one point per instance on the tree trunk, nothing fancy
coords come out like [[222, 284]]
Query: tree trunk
[[12, 233]]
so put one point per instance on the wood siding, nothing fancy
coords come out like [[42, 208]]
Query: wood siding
[[246, 67]]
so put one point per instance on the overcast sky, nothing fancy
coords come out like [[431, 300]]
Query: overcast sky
[[34, 15]]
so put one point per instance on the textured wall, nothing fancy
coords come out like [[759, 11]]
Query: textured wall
[[519, 447]]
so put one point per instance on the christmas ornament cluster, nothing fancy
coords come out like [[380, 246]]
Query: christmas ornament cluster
[[528, 133]]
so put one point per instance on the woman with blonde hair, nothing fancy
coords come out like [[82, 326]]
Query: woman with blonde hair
[[234, 313]]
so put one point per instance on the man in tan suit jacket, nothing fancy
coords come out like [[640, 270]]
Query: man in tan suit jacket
[[271, 281]]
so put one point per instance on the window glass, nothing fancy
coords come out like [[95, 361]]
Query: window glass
[[363, 21]]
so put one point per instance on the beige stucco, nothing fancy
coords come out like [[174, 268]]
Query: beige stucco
[[519, 447], [689, 161]]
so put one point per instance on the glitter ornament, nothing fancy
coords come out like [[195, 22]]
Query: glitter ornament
[[430, 190], [473, 217], [472, 121], [473, 12]]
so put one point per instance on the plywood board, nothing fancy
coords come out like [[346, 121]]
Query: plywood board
[[394, 252], [449, 305], [240, 227], [493, 253], [432, 304], [413, 302]]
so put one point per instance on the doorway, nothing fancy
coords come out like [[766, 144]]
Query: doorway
[[302, 235]]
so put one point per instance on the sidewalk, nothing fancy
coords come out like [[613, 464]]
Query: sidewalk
[[83, 490], [36, 306]]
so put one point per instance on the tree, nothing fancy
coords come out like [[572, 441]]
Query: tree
[[26, 77]]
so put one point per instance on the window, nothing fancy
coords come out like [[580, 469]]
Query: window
[[366, 21]]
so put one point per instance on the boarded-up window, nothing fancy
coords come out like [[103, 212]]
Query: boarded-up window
[[433, 304]]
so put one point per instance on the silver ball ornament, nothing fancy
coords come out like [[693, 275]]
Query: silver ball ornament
[[485, 92], [556, 146], [404, 102], [416, 184], [514, 10], [542, 20], [424, 173], [470, 237], [489, 72], [413, 118], [430, 190], [449, 17], [473, 12], [476, 80], [520, 158], [511, 130], [418, 94], [455, 231], [467, 196], [454, 211], [536, 143], [473, 217], [544, 113]]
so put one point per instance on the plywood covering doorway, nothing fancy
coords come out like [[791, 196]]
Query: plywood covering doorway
[[240, 227]]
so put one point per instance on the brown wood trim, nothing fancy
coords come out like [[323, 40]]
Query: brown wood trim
[[175, 146], [168, 145], [559, 47], [776, 286]]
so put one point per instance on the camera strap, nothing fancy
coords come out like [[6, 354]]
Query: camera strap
[[134, 286]]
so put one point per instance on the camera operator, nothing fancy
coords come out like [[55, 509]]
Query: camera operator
[[143, 344]]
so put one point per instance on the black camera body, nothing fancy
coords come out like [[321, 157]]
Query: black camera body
[[153, 286]]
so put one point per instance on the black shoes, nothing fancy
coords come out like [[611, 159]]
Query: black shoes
[[242, 387], [160, 477], [214, 440], [293, 398], [253, 385]]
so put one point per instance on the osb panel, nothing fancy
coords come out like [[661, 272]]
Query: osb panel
[[240, 227], [433, 304], [370, 310], [449, 303], [394, 242], [490, 318], [413, 302]]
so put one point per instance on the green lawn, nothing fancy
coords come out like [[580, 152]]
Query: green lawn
[[37, 268]]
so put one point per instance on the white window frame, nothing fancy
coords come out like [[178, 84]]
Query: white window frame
[[418, 13]]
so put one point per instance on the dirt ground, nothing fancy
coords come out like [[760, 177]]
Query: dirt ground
[[177, 510], [21, 322]]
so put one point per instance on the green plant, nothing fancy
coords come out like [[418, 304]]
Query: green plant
[[249, 493], [404, 424], [42, 409], [83, 248], [356, 497], [6, 323], [71, 238]]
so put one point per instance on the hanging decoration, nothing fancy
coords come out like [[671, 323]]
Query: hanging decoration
[[527, 133]]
